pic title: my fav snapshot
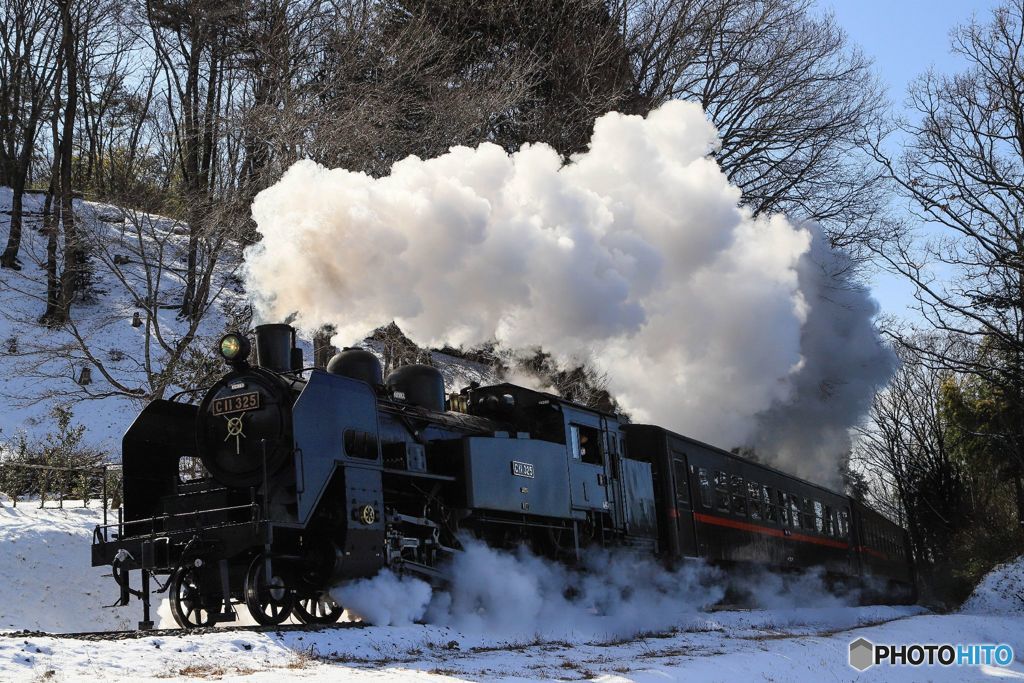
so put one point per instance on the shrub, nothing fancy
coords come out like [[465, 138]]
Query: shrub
[[58, 465]]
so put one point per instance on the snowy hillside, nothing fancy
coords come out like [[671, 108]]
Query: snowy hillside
[[39, 367], [49, 585], [1000, 592]]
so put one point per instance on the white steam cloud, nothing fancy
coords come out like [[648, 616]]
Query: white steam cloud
[[518, 594], [635, 256], [613, 594]]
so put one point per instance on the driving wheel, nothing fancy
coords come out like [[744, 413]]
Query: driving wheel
[[317, 608], [194, 604], [268, 600]]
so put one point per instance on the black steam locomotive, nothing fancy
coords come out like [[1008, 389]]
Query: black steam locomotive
[[308, 479]]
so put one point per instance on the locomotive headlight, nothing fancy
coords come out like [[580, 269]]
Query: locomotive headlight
[[234, 348]]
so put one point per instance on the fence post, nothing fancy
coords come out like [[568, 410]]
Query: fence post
[[104, 495]]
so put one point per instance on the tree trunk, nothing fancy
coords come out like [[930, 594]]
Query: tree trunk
[[9, 259], [71, 276], [51, 219], [1019, 486]]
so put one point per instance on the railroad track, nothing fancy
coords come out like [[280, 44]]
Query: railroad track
[[134, 635]]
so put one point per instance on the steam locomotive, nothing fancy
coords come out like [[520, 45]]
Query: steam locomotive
[[283, 482]]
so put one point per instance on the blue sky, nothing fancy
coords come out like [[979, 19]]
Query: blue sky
[[905, 38]]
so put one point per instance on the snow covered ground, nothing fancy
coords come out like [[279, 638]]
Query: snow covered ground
[[47, 584]]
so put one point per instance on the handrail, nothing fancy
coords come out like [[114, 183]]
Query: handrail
[[100, 536]]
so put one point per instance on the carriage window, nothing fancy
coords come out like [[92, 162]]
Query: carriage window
[[721, 491], [808, 508], [794, 512], [739, 496], [754, 495], [819, 517], [827, 521], [771, 509], [586, 444], [844, 523], [682, 487], [780, 501], [705, 487]]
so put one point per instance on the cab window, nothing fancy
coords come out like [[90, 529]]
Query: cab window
[[586, 444]]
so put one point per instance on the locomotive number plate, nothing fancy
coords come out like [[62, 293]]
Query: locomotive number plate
[[522, 469], [236, 404]]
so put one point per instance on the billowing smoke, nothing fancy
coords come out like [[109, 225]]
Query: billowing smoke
[[520, 595], [613, 594], [844, 363], [634, 256]]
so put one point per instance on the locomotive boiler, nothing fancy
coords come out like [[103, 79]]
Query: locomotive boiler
[[283, 482]]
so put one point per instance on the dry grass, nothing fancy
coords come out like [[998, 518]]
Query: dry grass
[[202, 671], [210, 671]]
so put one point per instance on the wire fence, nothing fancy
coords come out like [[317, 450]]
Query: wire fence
[[57, 486]]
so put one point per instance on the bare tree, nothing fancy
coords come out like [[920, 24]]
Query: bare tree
[[929, 457], [28, 47], [962, 174], [145, 354], [116, 90], [364, 85], [790, 96], [189, 39]]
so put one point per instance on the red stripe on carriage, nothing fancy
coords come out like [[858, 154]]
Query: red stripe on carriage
[[756, 528], [872, 551]]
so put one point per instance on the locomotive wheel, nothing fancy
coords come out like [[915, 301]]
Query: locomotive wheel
[[191, 606], [317, 608], [268, 600]]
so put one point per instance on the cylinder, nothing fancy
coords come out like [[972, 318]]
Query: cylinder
[[358, 364], [274, 345]]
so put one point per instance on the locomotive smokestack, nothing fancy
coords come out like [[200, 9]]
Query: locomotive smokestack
[[274, 344]]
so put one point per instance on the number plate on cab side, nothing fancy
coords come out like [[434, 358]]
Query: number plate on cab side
[[236, 404], [522, 469]]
